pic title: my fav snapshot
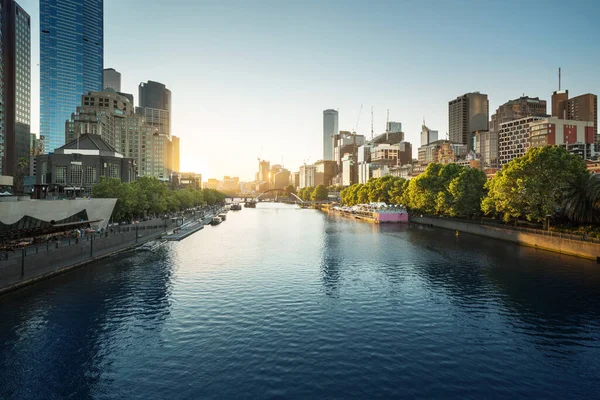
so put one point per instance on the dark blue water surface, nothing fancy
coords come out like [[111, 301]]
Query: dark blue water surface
[[280, 302]]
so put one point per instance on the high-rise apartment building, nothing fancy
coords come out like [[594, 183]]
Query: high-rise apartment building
[[576, 136], [111, 79], [71, 61], [467, 114], [15, 85], [580, 108], [330, 129]]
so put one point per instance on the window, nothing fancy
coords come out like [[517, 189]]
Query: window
[[113, 171], [76, 175], [61, 174], [90, 175]]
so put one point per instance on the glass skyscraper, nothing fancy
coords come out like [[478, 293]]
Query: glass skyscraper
[[15, 85], [71, 61]]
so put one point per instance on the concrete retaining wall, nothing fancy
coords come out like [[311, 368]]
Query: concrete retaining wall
[[556, 244]]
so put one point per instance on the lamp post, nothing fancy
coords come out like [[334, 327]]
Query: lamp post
[[548, 221]]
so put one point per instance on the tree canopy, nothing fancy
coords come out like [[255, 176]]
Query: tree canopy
[[149, 196]]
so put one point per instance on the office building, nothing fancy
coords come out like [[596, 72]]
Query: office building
[[307, 176], [576, 136], [190, 179], [514, 139], [325, 171], [111, 79], [580, 108], [487, 140], [264, 169], [330, 129], [15, 86], [231, 184], [443, 151], [79, 165], [467, 114], [295, 179], [71, 61], [428, 135], [281, 179], [173, 154], [212, 183], [393, 127], [155, 104], [111, 116]]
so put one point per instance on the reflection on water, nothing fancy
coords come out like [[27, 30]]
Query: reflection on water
[[283, 302]]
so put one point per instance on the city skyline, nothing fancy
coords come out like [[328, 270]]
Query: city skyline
[[365, 58]]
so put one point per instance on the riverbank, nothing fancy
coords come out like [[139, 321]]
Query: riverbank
[[554, 243], [38, 262]]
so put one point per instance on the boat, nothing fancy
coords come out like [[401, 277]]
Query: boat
[[236, 207], [250, 204], [223, 217], [216, 221]]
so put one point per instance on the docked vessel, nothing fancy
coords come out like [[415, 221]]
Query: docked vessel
[[250, 204], [236, 207], [216, 221], [223, 217]]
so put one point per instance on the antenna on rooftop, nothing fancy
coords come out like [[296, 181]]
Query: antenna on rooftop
[[558, 78]]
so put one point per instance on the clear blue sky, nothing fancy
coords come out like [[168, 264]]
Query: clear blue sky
[[249, 75]]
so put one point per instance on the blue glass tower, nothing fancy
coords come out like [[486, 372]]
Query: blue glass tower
[[71, 61]]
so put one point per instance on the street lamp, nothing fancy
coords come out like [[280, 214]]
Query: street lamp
[[548, 221]]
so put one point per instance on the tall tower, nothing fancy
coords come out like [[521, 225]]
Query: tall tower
[[111, 78], [15, 85], [468, 114], [71, 61], [330, 129], [155, 105]]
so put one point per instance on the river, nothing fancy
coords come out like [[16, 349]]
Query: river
[[281, 302]]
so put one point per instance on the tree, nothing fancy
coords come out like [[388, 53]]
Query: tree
[[465, 193], [533, 186], [581, 203], [290, 189], [320, 193]]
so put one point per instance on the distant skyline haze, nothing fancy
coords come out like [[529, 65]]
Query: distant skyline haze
[[252, 75]]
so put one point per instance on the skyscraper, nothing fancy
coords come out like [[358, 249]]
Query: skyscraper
[[71, 61], [467, 114], [15, 85], [111, 78], [330, 129], [155, 105]]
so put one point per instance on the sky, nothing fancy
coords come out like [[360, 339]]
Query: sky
[[251, 78]]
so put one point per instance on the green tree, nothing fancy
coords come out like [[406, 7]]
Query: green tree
[[533, 186], [290, 189], [465, 193], [581, 203], [320, 193]]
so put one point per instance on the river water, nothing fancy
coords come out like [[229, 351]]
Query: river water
[[280, 302]]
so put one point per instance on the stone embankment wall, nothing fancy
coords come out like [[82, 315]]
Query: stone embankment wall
[[42, 261], [556, 244]]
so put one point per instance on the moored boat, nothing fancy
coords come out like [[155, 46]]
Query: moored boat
[[216, 221], [250, 204], [223, 217], [236, 207]]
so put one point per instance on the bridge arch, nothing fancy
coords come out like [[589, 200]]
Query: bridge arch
[[279, 190]]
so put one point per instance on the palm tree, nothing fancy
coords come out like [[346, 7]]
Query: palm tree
[[581, 203]]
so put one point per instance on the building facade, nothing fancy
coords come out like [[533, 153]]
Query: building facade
[[325, 171], [442, 151], [71, 60], [466, 115], [155, 105], [111, 79], [576, 136], [393, 127], [15, 86], [580, 108], [330, 129], [514, 139], [112, 116], [307, 176], [428, 135], [73, 169]]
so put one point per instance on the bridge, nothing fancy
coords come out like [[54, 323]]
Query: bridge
[[246, 197]]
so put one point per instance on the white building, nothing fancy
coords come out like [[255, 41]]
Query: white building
[[330, 129], [307, 176]]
